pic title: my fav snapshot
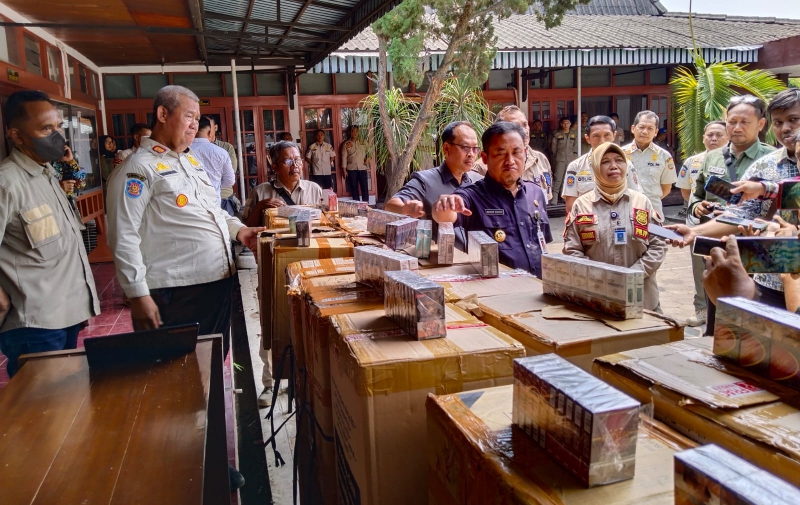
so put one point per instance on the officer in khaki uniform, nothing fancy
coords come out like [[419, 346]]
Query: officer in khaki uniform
[[562, 147], [580, 176], [619, 136], [320, 157], [46, 285], [356, 164], [538, 138], [610, 224]]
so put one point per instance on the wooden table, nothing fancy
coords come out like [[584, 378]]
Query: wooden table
[[152, 434]]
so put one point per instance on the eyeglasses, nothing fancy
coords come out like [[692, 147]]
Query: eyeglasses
[[466, 149], [293, 161]]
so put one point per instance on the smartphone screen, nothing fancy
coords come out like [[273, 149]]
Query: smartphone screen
[[702, 245], [789, 195], [660, 231], [739, 221]]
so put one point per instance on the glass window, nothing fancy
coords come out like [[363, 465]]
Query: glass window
[[564, 78], [95, 86], [84, 76], [9, 47], [659, 75], [316, 84], [54, 64], [352, 84], [596, 105], [565, 108], [120, 87], [33, 57], [204, 85], [72, 79], [149, 84], [629, 76], [271, 84], [273, 120], [499, 79], [79, 130], [595, 77], [244, 84]]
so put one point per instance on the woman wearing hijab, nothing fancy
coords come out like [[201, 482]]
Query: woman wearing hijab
[[108, 150], [610, 224]]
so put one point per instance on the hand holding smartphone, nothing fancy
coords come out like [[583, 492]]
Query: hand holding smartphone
[[768, 255], [721, 188]]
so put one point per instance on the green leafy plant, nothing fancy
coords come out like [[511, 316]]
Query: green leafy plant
[[461, 101], [794, 82]]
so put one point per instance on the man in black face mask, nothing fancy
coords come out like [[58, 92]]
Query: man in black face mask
[[46, 286]]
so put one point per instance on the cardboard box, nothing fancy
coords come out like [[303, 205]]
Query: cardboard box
[[583, 423], [713, 401], [380, 378], [710, 475], [274, 256], [476, 457]]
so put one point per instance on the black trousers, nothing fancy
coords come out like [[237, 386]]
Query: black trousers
[[324, 181], [764, 295], [357, 179], [208, 304]]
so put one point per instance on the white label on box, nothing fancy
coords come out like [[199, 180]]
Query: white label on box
[[736, 389]]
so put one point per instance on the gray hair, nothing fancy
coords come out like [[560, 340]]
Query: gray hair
[[276, 148], [169, 97], [646, 113]]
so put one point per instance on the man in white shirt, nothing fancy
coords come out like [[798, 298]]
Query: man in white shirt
[[216, 161], [138, 131]]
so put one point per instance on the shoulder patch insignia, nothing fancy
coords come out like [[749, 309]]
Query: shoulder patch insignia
[[570, 181], [133, 188], [670, 163], [641, 217], [192, 160], [159, 149], [683, 172], [585, 219], [588, 236], [641, 233], [131, 175]]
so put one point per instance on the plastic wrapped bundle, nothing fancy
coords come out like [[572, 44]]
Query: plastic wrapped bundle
[[423, 238], [589, 427], [352, 208], [710, 475], [484, 254], [293, 210], [446, 242], [416, 304], [378, 219], [330, 201], [303, 230], [614, 290], [371, 263], [401, 233]]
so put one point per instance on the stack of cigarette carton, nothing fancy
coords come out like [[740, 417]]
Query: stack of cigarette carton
[[416, 304], [302, 228], [378, 219], [293, 210], [586, 425], [352, 208], [484, 254], [330, 201], [424, 236], [710, 475], [762, 338], [614, 290], [401, 233], [446, 243], [372, 262]]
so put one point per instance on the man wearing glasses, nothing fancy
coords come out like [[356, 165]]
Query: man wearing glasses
[[654, 165], [416, 198], [288, 189]]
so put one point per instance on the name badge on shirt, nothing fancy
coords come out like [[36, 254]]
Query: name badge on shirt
[[717, 170], [620, 236], [542, 242], [495, 212]]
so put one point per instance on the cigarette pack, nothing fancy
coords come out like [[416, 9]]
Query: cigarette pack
[[614, 290], [423, 242], [484, 254], [371, 262], [352, 208], [303, 230], [446, 243], [763, 339], [416, 304], [330, 201], [401, 233], [586, 425], [293, 210], [378, 219], [710, 475]]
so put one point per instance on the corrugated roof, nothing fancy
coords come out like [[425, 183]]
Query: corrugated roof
[[621, 7]]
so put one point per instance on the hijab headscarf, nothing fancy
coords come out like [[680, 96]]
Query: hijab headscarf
[[611, 191], [102, 146]]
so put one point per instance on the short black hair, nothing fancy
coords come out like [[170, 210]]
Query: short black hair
[[501, 128], [613, 115], [14, 109], [205, 122], [320, 130], [276, 148], [564, 118], [712, 123], [643, 114], [536, 121], [786, 99], [449, 132], [138, 128], [596, 120]]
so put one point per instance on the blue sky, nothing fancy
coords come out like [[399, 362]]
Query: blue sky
[[768, 8]]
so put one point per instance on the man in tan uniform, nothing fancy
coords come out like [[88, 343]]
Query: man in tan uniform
[[537, 167], [46, 285], [610, 224], [539, 140], [288, 189], [320, 157], [562, 145], [355, 161], [619, 137], [580, 176]]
